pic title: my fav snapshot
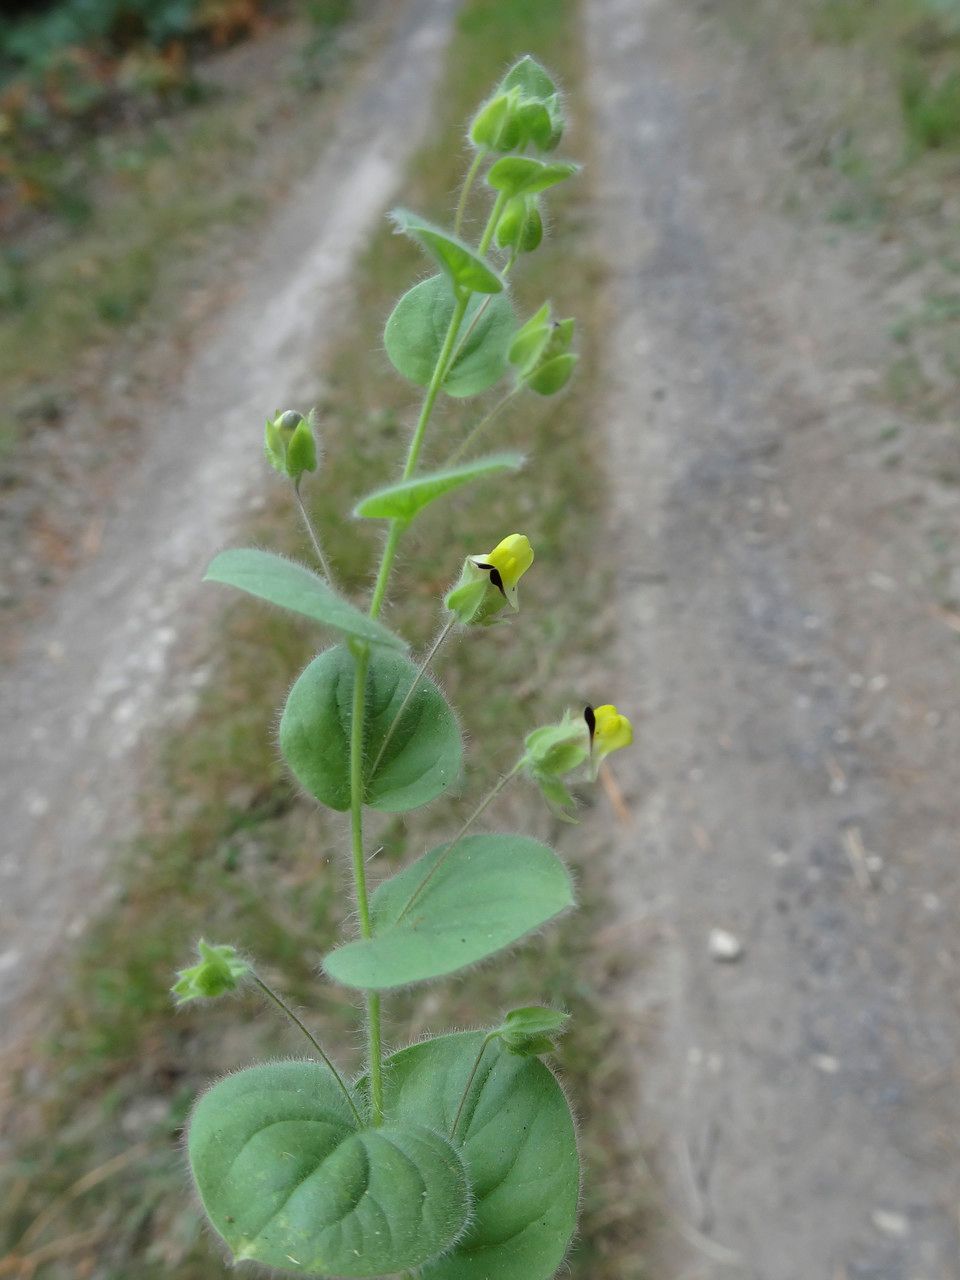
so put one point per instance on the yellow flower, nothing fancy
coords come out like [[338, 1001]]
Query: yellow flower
[[507, 563], [609, 730]]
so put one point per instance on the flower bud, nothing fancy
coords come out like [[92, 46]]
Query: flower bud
[[541, 353], [520, 226], [290, 445], [220, 970], [530, 1032], [496, 126]]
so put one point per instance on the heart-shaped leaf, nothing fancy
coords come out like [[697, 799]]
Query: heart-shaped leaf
[[418, 325], [517, 1140], [293, 586], [288, 1180], [403, 501], [525, 176], [466, 269], [407, 762], [487, 894]]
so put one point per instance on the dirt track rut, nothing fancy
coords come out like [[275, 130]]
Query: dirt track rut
[[798, 783], [89, 683]]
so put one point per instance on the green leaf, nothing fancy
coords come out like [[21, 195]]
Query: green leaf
[[418, 325], [289, 1181], [523, 175], [403, 501], [489, 893], [466, 269], [422, 755], [518, 1142], [530, 77], [293, 586]]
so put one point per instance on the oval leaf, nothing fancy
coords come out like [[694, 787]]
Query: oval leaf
[[403, 501], [517, 1140], [487, 894], [418, 325], [289, 1181], [525, 176], [293, 586], [422, 754], [466, 269]]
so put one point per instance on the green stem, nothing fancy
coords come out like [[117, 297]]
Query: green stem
[[361, 665], [481, 807], [492, 221], [480, 313], [285, 1008], [317, 548], [413, 453], [468, 182], [374, 1041], [471, 436], [421, 671], [470, 1079]]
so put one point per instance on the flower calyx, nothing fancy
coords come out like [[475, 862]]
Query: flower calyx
[[221, 969], [289, 443]]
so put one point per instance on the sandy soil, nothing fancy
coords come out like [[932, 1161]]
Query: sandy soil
[[92, 679], [799, 786]]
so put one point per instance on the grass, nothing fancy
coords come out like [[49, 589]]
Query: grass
[[230, 850]]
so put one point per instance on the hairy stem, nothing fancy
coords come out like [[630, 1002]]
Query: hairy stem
[[468, 182], [481, 807], [317, 548], [421, 672], [471, 437], [470, 1079], [397, 527], [361, 666], [413, 453], [281, 1004]]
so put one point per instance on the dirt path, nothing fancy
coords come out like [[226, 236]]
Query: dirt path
[[799, 784], [94, 678]]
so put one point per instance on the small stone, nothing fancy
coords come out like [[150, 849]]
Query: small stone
[[890, 1223], [724, 946], [826, 1063]]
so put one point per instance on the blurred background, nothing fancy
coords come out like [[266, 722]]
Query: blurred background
[[745, 518]]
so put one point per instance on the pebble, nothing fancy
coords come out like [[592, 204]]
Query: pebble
[[891, 1224], [724, 946]]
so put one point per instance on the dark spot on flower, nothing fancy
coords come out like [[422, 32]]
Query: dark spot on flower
[[591, 720]]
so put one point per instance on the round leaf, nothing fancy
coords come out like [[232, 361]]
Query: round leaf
[[466, 269], [490, 892], [289, 1181], [517, 1140], [423, 752], [294, 586], [418, 325], [403, 501]]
